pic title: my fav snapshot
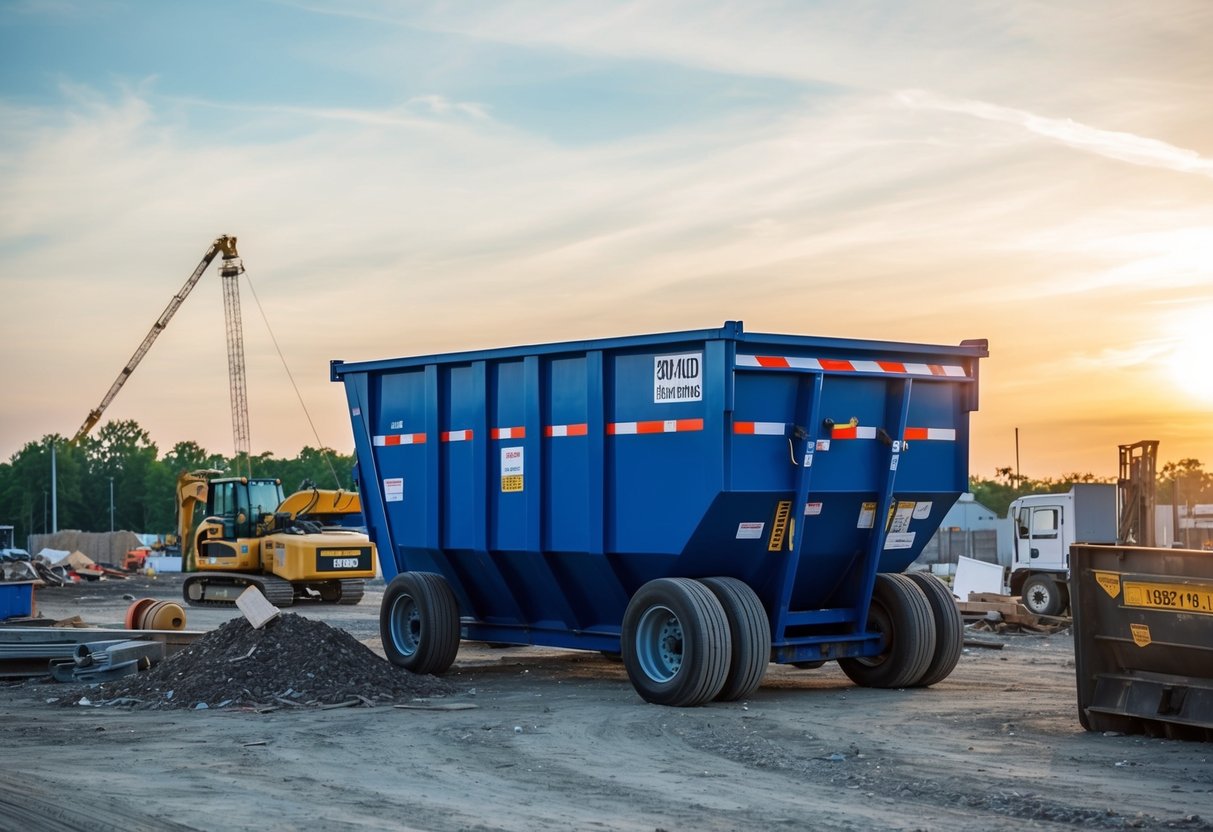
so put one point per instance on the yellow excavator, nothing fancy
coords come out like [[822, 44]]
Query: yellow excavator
[[292, 549]]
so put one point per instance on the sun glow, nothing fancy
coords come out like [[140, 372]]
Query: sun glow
[[1191, 360]]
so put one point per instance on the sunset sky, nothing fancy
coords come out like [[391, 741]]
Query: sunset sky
[[410, 178]]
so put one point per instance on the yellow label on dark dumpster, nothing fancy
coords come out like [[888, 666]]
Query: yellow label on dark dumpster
[[1141, 634], [1110, 581], [1177, 597]]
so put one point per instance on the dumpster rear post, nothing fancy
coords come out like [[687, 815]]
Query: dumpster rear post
[[701, 502]]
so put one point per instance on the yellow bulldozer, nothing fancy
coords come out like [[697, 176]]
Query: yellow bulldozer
[[293, 550]]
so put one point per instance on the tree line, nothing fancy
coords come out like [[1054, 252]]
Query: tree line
[[122, 456], [1185, 483]]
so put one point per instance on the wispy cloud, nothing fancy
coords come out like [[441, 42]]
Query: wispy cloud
[[1125, 147]]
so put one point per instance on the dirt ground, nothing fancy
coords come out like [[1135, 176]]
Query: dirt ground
[[558, 740]]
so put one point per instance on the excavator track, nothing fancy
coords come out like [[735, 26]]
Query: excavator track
[[352, 590], [277, 591]]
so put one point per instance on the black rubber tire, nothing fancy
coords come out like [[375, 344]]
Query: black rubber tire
[[751, 637], [419, 622], [676, 644], [949, 628], [901, 614], [1041, 595]]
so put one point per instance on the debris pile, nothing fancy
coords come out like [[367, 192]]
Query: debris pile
[[996, 613], [292, 662], [102, 547], [54, 568]]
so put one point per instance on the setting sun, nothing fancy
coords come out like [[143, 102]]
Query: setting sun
[[1191, 359]]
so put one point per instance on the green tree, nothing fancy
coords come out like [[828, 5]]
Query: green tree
[[1186, 482], [145, 485], [124, 454]]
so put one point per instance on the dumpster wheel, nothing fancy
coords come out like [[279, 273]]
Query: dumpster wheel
[[676, 643], [419, 622], [901, 614], [751, 636], [949, 628]]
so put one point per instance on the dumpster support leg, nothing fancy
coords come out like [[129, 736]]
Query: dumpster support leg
[[896, 417], [808, 417]]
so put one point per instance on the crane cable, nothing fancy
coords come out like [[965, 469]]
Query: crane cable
[[320, 445]]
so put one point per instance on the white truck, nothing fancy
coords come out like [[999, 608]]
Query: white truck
[[1044, 526]]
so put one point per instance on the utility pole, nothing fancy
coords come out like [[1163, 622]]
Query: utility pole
[[1017, 480], [111, 504], [54, 491]]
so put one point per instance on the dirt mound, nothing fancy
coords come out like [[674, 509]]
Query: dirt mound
[[292, 661]]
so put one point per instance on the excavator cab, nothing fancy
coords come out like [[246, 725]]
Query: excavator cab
[[240, 504]]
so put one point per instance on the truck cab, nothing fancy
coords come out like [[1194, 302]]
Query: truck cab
[[1045, 526]]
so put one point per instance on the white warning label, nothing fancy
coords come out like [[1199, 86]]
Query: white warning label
[[811, 509], [678, 378], [867, 516], [922, 510], [393, 490], [900, 540], [511, 462], [749, 531], [901, 517]]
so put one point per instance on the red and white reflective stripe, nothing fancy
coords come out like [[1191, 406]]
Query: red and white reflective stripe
[[852, 432], [456, 435], [941, 434], [835, 365], [659, 426], [509, 433], [864, 432], [567, 430], [760, 428], [399, 439]]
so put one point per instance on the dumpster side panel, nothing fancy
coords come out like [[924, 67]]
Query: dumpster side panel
[[1143, 639]]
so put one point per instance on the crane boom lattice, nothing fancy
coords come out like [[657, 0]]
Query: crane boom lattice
[[230, 271]]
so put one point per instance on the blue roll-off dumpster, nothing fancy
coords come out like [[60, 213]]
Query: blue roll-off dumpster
[[700, 502]]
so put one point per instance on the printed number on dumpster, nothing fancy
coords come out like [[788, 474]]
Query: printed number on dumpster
[[1181, 598]]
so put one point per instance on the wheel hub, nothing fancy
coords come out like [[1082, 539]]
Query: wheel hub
[[405, 625], [659, 642]]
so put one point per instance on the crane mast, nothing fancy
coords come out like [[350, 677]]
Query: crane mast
[[230, 270]]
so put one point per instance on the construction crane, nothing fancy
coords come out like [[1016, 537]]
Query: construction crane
[[230, 269]]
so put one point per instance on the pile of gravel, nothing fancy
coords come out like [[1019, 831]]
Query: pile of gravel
[[292, 661]]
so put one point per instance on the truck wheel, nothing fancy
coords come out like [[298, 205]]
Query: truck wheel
[[676, 645], [901, 615], [1041, 595], [949, 628], [419, 622], [751, 636]]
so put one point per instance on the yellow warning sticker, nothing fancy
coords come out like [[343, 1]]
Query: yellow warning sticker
[[513, 482], [1141, 634], [779, 529], [1110, 581]]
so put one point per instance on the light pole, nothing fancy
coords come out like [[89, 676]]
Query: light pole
[[111, 504]]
